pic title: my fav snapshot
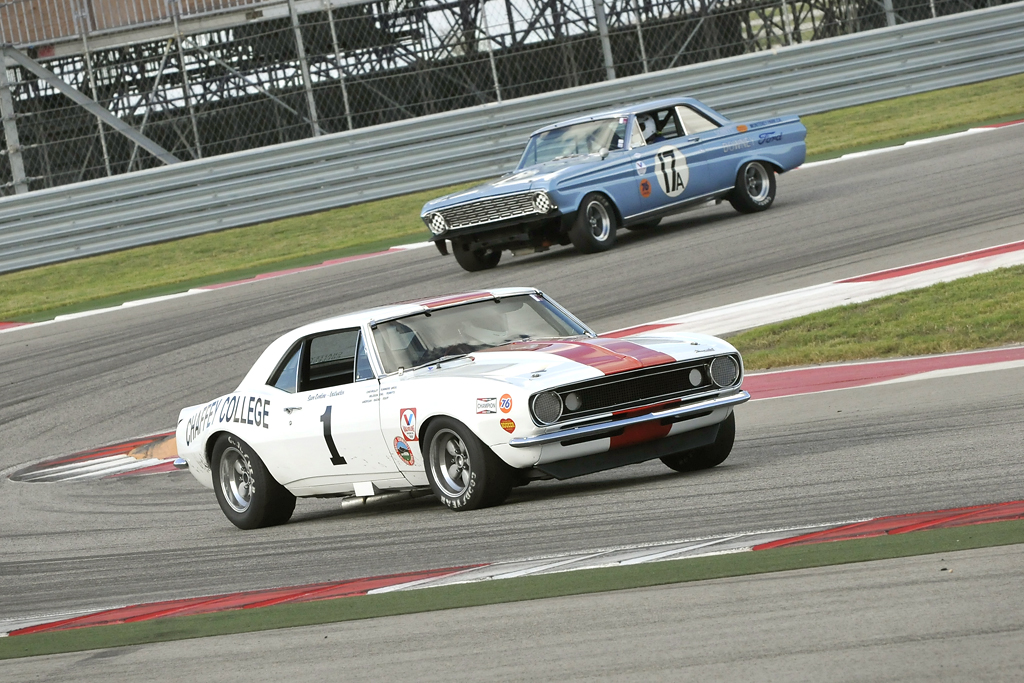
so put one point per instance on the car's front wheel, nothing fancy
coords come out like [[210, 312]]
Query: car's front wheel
[[248, 494], [475, 259], [463, 472], [755, 188], [596, 222], [709, 456]]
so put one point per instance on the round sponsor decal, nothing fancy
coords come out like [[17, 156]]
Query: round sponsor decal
[[671, 170], [407, 420], [505, 404], [403, 451], [645, 188], [508, 425]]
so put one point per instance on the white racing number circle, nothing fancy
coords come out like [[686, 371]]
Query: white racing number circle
[[671, 170]]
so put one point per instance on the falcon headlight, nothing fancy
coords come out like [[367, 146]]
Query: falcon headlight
[[436, 223], [543, 203]]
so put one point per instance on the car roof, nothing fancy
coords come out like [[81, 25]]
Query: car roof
[[268, 360], [626, 110]]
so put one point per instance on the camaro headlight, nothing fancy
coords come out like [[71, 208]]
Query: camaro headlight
[[724, 371], [436, 223], [542, 202], [547, 407]]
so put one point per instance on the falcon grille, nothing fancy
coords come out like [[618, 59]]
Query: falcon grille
[[489, 210]]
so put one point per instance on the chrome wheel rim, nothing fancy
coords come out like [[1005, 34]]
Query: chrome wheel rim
[[449, 463], [758, 184], [599, 221], [236, 480]]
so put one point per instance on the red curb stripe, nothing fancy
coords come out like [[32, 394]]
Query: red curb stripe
[[159, 468], [290, 271], [94, 453], [937, 263], [827, 378], [235, 601], [1004, 125], [7, 326], [989, 513], [900, 524]]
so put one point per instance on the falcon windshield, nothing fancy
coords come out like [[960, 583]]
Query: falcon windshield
[[429, 337], [578, 139]]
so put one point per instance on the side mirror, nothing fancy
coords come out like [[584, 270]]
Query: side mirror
[[603, 152]]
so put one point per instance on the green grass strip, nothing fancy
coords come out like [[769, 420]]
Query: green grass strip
[[976, 312], [111, 279], [514, 590]]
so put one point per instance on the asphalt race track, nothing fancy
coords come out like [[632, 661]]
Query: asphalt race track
[[858, 453]]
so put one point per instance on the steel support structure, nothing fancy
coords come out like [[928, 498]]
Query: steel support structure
[[11, 133], [89, 105]]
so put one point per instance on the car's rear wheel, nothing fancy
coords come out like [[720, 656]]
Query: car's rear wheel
[[475, 259], [755, 188], [247, 493], [596, 222], [463, 472], [709, 456]]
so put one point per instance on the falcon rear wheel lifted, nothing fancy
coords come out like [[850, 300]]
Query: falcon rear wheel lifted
[[463, 472], [475, 259], [249, 496], [709, 456]]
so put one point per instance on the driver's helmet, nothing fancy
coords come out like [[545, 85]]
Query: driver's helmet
[[647, 125]]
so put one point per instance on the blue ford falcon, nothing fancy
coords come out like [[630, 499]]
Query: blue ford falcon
[[580, 180]]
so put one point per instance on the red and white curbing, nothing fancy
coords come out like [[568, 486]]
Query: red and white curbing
[[793, 304], [913, 143], [611, 557]]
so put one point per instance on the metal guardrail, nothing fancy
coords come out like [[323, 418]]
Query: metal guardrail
[[311, 175]]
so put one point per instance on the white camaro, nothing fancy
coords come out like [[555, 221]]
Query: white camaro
[[468, 395]]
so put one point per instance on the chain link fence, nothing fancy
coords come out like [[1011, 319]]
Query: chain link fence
[[209, 77]]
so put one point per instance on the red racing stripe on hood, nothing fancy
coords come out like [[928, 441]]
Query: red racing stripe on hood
[[607, 355]]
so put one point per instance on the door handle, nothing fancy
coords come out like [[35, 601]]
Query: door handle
[[289, 410], [693, 139]]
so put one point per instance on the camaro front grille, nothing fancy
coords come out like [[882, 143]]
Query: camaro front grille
[[489, 210], [637, 388]]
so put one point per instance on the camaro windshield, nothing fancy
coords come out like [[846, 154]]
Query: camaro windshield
[[578, 139], [425, 338]]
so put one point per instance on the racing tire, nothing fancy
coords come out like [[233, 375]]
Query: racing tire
[[247, 493], [463, 472], [646, 225], [595, 225], [709, 456], [475, 260], [755, 188]]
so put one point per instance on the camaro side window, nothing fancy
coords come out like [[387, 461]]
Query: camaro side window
[[363, 369], [286, 378], [330, 360], [693, 121]]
